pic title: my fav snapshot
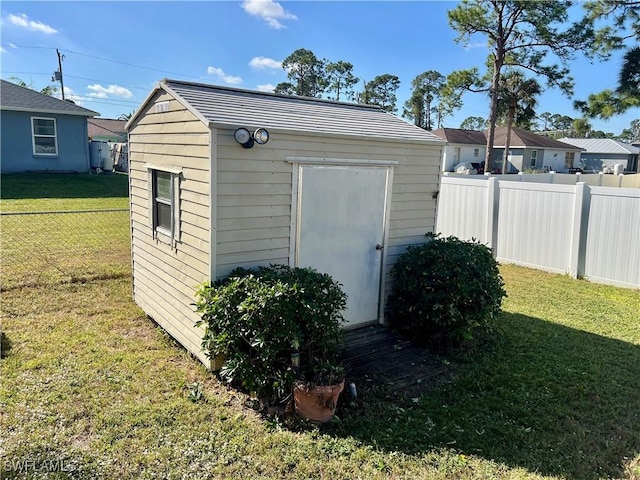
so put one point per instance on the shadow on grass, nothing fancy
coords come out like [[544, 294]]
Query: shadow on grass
[[18, 186], [5, 345], [547, 398]]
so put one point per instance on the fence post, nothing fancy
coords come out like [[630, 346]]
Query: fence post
[[580, 206], [520, 176], [553, 177], [491, 222]]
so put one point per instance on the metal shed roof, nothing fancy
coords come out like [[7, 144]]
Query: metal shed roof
[[602, 145], [21, 99], [217, 105]]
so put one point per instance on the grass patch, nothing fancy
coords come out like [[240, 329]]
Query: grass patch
[[46, 192], [47, 248], [93, 383], [92, 389]]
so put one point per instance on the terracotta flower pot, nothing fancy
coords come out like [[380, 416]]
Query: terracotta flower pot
[[317, 403]]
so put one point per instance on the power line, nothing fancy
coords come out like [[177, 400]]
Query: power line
[[103, 59], [113, 101], [129, 64], [76, 76], [106, 81]]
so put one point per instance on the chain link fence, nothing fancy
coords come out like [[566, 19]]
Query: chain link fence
[[46, 248]]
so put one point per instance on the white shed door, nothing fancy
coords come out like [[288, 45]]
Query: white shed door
[[341, 218]]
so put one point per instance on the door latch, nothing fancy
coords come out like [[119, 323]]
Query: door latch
[[379, 247]]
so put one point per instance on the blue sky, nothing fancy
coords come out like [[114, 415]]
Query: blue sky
[[116, 51]]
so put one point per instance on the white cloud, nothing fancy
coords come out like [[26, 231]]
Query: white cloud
[[2, 50], [219, 73], [267, 87], [13, 45], [265, 63], [269, 11], [69, 94], [98, 91], [23, 21]]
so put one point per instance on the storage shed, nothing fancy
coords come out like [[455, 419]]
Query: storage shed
[[222, 178]]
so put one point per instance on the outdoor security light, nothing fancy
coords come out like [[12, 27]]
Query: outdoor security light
[[243, 137], [246, 139], [261, 136]]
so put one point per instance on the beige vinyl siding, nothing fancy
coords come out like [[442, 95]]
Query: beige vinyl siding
[[165, 279], [254, 194]]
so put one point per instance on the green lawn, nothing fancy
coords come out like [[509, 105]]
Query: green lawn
[[91, 388], [43, 248], [38, 192]]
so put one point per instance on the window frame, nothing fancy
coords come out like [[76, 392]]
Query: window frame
[[160, 232], [157, 199], [534, 158], [34, 135], [476, 153]]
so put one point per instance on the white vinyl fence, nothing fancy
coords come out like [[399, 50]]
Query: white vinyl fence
[[586, 231]]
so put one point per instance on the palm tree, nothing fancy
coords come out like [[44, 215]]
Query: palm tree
[[48, 90], [516, 103]]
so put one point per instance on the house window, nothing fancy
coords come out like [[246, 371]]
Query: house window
[[456, 155], [534, 157], [476, 152], [164, 203], [45, 141], [569, 158]]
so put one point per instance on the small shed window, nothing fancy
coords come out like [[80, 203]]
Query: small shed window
[[164, 200], [534, 157], [45, 141], [476, 152]]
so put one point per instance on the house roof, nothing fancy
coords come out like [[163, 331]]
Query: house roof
[[519, 138], [526, 139], [465, 137], [17, 98], [225, 106], [106, 127], [602, 145]]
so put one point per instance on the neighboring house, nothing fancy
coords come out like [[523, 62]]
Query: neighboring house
[[527, 150], [599, 153], [41, 133], [463, 146], [339, 187], [107, 130]]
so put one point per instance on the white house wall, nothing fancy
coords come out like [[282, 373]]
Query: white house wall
[[554, 159], [467, 155], [165, 278]]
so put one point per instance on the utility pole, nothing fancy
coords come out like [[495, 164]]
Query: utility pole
[[58, 75]]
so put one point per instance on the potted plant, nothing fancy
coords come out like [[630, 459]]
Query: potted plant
[[316, 399], [277, 327]]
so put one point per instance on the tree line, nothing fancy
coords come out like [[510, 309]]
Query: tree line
[[526, 41], [429, 104]]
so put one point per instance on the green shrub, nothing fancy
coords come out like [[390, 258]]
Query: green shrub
[[258, 318], [446, 291]]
